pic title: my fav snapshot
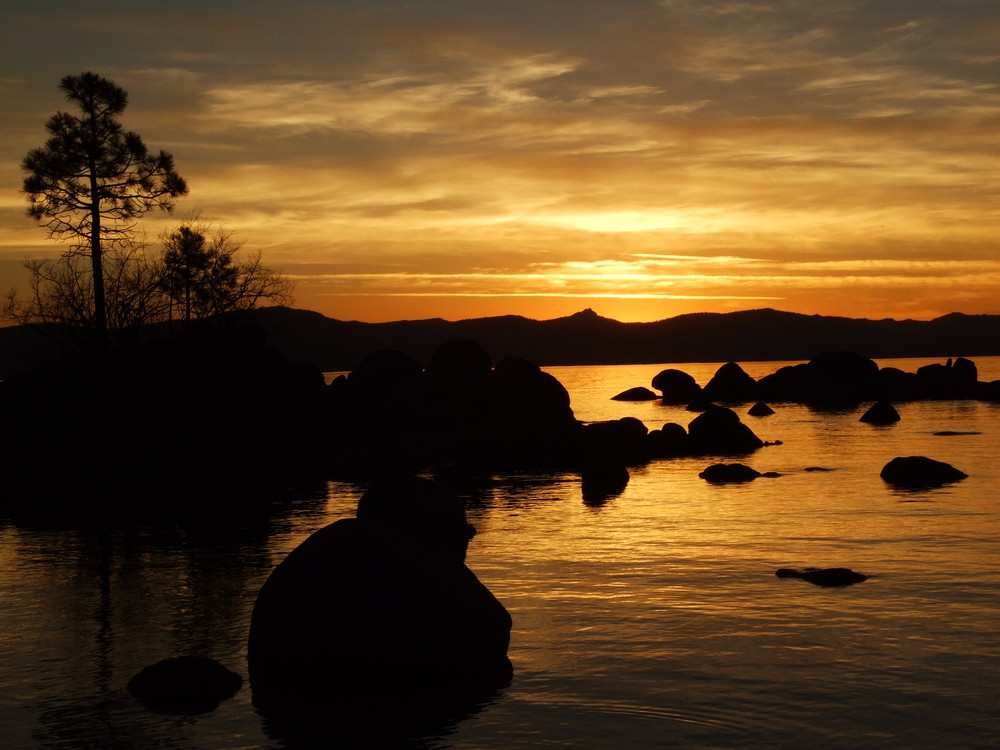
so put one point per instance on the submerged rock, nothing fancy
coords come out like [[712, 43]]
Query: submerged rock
[[919, 472], [185, 685], [827, 577]]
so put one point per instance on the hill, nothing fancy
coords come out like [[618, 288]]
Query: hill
[[586, 338]]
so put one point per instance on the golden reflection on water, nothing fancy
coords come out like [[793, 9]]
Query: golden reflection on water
[[665, 599]]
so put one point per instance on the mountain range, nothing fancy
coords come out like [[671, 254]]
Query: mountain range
[[586, 338]]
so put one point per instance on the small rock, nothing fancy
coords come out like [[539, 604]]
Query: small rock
[[729, 473], [638, 393], [916, 472], [881, 413], [827, 577], [760, 409], [185, 685]]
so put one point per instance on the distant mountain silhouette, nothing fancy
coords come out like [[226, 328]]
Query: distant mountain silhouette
[[586, 338]]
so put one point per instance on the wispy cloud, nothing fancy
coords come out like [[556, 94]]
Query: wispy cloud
[[822, 155]]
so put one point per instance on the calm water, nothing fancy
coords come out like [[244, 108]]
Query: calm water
[[652, 621]]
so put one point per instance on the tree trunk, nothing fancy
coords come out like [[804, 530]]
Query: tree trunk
[[96, 260]]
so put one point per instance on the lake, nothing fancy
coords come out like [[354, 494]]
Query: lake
[[652, 620]]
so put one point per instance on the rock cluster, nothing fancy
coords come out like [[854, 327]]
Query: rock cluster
[[831, 378]]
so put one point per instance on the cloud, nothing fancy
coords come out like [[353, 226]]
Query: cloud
[[681, 147]]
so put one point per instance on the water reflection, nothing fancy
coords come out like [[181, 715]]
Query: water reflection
[[401, 716], [657, 620], [88, 604]]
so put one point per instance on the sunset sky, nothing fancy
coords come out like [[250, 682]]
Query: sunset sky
[[643, 158]]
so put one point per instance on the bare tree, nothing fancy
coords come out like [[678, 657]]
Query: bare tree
[[204, 275], [61, 295]]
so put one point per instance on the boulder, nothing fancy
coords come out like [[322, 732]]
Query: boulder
[[639, 393], [880, 413], [829, 378], [965, 370], [954, 379], [622, 441], [676, 386], [729, 474], [671, 441], [185, 685], [893, 384], [384, 372], [718, 431], [731, 383], [827, 577], [457, 367], [524, 415], [382, 600], [602, 481], [916, 472], [382, 390]]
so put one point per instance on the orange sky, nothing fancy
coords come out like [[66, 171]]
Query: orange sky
[[640, 158]]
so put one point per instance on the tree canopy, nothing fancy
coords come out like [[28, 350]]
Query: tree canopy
[[203, 275], [92, 179]]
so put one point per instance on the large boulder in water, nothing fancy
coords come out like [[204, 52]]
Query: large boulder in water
[[954, 379], [383, 389], [457, 367], [719, 431], [731, 383], [671, 441], [383, 600], [829, 378], [525, 415], [676, 386], [919, 472], [624, 441]]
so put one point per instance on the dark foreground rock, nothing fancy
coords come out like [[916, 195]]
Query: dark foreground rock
[[185, 685], [917, 472], [381, 601], [828, 577]]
